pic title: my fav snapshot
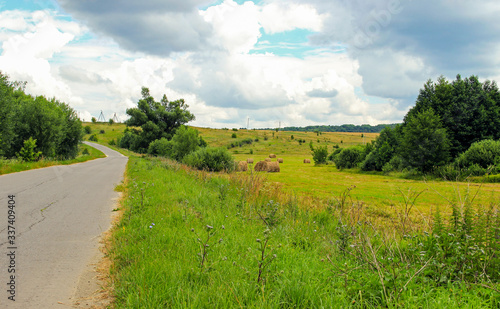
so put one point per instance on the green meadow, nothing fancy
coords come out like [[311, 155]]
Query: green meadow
[[306, 237]]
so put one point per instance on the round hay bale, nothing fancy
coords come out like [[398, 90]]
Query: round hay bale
[[307, 161], [273, 156], [273, 167], [268, 160], [242, 166], [280, 160], [250, 161], [260, 166]]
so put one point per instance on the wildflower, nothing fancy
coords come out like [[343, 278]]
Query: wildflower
[[220, 240], [223, 227], [192, 230], [150, 226], [258, 240]]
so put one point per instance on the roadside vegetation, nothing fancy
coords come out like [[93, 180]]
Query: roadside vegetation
[[37, 132]]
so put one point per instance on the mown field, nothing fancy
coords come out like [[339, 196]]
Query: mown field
[[381, 195]]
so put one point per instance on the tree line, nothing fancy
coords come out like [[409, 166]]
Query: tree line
[[452, 130], [31, 127], [350, 128]]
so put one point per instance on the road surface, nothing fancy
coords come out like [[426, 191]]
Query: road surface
[[57, 215]]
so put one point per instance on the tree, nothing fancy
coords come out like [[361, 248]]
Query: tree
[[425, 143], [157, 119], [384, 148], [7, 132], [469, 110]]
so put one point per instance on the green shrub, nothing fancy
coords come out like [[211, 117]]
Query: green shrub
[[210, 159], [484, 153], [184, 141], [85, 152], [350, 157], [93, 138], [161, 147], [102, 132], [112, 142], [27, 152], [320, 154], [233, 135], [88, 129]]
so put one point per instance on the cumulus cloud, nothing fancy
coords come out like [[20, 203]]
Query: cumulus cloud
[[157, 27], [33, 40], [365, 61], [284, 16], [401, 43]]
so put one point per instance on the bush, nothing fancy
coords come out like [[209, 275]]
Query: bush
[[127, 140], [185, 141], [210, 159], [85, 152], [233, 135], [102, 132], [88, 129], [161, 147], [350, 157], [484, 153], [93, 138], [320, 154], [112, 142], [27, 152]]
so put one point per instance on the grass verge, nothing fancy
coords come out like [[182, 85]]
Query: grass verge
[[8, 166]]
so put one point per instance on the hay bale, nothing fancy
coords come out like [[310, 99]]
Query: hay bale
[[307, 161], [260, 166], [280, 160], [250, 161], [242, 166], [268, 160], [273, 167], [273, 156]]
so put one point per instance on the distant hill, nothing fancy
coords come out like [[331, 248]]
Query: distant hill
[[364, 128]]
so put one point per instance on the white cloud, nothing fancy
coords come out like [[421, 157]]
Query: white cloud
[[284, 16], [236, 27]]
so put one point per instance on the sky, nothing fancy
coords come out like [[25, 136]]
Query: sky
[[264, 63]]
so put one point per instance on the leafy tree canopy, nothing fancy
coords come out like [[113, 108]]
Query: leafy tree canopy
[[469, 110], [157, 119]]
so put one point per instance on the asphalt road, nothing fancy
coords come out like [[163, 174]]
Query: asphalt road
[[60, 213]]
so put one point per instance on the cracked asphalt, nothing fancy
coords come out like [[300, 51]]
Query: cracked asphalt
[[60, 213]]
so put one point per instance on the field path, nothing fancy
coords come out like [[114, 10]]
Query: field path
[[60, 213]]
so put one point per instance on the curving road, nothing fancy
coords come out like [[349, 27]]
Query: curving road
[[60, 213]]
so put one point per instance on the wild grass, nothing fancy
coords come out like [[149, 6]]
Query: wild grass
[[85, 153], [191, 239]]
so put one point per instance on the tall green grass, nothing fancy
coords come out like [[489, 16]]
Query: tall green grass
[[191, 239]]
